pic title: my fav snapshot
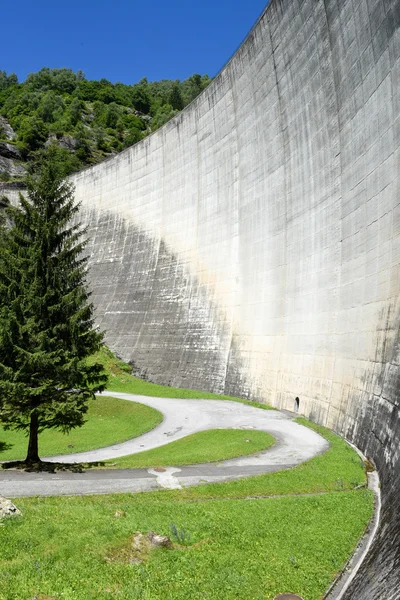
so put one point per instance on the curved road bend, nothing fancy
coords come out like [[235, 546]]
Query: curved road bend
[[294, 444]]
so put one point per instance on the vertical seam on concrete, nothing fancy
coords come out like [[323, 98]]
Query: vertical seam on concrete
[[236, 219], [285, 146], [196, 244], [329, 40]]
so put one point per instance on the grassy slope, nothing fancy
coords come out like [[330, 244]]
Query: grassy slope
[[120, 380], [109, 421], [206, 446]]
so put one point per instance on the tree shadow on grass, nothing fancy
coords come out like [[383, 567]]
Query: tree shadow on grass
[[50, 467], [4, 446]]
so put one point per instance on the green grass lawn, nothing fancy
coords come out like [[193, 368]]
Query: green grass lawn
[[240, 546], [109, 421], [238, 549], [121, 380], [338, 469], [206, 446]]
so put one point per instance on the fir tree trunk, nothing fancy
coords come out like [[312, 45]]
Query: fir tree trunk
[[33, 446]]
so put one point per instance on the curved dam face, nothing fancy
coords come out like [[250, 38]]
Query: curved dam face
[[252, 245]]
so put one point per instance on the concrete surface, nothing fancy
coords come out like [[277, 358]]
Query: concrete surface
[[252, 244], [339, 588], [17, 484]]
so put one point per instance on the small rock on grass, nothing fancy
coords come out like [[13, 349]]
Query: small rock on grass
[[8, 509], [162, 541], [151, 539]]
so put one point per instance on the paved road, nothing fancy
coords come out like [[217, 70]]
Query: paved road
[[294, 444]]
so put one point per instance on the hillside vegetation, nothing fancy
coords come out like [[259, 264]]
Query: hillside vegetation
[[86, 120]]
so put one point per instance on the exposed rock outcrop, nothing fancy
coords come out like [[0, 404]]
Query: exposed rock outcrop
[[66, 141], [6, 130], [10, 168], [9, 151], [9, 154]]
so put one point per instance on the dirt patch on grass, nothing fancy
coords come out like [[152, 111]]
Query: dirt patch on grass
[[137, 548]]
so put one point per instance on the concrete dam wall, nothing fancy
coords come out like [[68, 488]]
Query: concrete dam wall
[[252, 245]]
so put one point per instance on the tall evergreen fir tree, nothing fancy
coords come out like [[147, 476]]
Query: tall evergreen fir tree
[[46, 319]]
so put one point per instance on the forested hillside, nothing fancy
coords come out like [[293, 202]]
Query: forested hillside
[[86, 120]]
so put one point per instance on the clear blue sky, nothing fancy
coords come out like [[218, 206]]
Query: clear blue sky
[[124, 40]]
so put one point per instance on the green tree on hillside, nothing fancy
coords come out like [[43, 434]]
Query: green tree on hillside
[[46, 319], [64, 161], [75, 111], [7, 80], [82, 137], [32, 133], [162, 116], [175, 98], [51, 107], [141, 98], [112, 115]]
